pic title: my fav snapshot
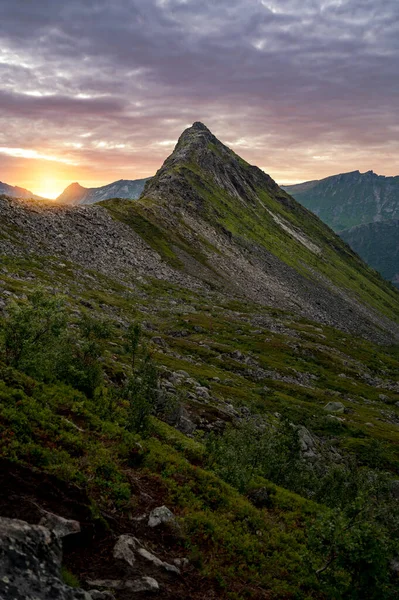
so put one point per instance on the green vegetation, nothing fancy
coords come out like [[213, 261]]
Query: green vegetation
[[79, 399]]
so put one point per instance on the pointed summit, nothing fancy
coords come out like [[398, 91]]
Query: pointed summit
[[73, 194], [201, 165]]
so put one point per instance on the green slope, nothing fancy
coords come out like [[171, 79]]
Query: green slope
[[205, 182]]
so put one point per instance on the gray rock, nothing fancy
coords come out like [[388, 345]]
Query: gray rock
[[58, 525], [335, 407], [159, 341], [30, 565], [183, 374], [181, 562], [157, 562], [202, 392], [128, 547], [97, 595], [124, 549], [143, 584], [160, 516]]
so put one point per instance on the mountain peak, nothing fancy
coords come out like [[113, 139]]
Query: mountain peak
[[199, 126], [200, 167]]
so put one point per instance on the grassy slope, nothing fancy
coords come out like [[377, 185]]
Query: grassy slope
[[235, 545], [337, 261]]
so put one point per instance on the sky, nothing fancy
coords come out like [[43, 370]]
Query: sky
[[100, 90]]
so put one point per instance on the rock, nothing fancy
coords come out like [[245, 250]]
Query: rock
[[97, 595], [58, 525], [30, 565], [159, 341], [394, 564], [259, 497], [202, 392], [124, 549], [181, 562], [160, 515], [335, 407], [128, 547], [157, 562], [182, 374], [143, 584]]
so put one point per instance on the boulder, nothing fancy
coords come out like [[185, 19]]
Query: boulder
[[157, 562], [143, 584], [30, 564], [124, 549], [202, 392], [58, 525], [160, 516], [335, 407], [127, 548]]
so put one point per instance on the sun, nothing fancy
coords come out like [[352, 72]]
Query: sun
[[49, 188]]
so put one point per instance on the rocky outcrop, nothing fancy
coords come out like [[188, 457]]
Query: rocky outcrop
[[30, 564]]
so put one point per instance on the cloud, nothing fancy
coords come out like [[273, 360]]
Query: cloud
[[284, 81]]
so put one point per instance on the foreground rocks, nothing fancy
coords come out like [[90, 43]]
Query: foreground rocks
[[30, 564]]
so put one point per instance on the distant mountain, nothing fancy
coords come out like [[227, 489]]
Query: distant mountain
[[378, 245], [350, 199], [124, 188], [17, 192]]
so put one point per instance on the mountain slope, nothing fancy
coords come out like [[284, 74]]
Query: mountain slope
[[378, 245], [350, 199], [137, 373], [17, 192], [124, 188], [213, 215]]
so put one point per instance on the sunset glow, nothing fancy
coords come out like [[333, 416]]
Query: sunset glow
[[301, 88]]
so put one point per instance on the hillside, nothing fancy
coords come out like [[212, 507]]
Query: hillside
[[206, 382], [349, 199], [76, 194], [378, 245], [17, 192]]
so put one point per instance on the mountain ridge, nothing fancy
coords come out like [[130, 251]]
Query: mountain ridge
[[218, 215], [18, 192], [349, 199], [76, 194]]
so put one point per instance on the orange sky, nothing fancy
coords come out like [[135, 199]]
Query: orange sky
[[99, 91]]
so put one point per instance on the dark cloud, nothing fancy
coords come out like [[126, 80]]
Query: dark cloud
[[303, 88]]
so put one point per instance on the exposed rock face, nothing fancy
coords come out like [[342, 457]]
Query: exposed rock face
[[350, 199], [30, 564], [124, 188]]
